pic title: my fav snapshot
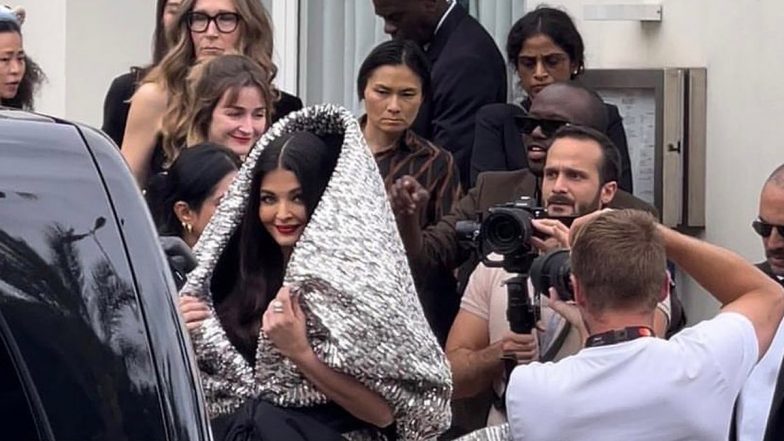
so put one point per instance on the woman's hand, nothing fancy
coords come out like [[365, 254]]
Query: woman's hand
[[284, 323], [194, 311]]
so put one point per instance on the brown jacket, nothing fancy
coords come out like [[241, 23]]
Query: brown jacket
[[440, 247]]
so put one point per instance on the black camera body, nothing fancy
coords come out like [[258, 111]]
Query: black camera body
[[506, 230]]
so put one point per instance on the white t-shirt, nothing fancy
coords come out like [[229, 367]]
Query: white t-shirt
[[644, 390], [757, 394], [486, 297]]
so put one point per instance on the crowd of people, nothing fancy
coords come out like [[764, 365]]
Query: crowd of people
[[336, 295]]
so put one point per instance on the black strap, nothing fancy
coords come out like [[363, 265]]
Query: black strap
[[618, 336]]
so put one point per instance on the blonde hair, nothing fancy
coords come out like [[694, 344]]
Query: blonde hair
[[173, 72], [227, 73]]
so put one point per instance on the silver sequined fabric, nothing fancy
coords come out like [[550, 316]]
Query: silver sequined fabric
[[492, 433], [363, 315]]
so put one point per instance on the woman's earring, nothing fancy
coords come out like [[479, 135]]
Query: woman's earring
[[188, 227]]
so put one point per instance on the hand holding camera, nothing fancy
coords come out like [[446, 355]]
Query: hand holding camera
[[522, 348], [556, 235]]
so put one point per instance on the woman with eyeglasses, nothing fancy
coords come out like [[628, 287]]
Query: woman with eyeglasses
[[543, 47], [202, 30]]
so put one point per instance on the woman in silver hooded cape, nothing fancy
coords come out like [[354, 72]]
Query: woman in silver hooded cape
[[350, 270]]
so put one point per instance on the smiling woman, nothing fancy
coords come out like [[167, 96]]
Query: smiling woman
[[231, 105], [202, 29]]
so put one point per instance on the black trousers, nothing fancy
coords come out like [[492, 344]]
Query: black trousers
[[258, 420]]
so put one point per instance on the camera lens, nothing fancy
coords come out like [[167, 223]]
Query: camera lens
[[507, 232], [553, 270]]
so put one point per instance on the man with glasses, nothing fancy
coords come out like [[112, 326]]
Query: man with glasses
[[759, 411], [558, 104], [580, 176]]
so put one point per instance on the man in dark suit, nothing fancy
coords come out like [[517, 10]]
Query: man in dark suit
[[759, 412], [438, 247], [498, 144], [468, 70]]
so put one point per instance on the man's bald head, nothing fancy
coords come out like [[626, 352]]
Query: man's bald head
[[565, 102], [771, 212], [777, 177], [572, 103]]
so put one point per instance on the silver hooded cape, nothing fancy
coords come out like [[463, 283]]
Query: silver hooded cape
[[363, 315]]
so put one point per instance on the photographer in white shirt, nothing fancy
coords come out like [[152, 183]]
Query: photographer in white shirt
[[627, 384]]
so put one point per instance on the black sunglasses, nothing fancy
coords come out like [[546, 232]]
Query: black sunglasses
[[226, 22], [527, 124], [764, 229]]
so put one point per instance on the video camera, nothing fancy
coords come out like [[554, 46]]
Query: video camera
[[507, 231]]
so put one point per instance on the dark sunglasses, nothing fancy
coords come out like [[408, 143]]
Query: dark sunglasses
[[527, 124], [764, 229], [226, 22]]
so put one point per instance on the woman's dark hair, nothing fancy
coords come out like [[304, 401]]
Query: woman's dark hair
[[395, 53], [250, 271], [191, 179], [31, 80], [555, 24]]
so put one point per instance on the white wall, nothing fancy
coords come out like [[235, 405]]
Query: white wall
[[82, 45], [44, 41], [740, 44]]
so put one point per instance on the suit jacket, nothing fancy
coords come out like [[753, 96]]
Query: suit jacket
[[499, 146], [468, 72]]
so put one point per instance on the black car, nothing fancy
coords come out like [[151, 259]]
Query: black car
[[91, 345]]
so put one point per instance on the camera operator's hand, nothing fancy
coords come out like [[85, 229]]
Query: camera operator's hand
[[556, 232], [521, 347], [407, 196], [569, 311]]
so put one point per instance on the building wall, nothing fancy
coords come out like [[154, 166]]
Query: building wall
[[81, 46]]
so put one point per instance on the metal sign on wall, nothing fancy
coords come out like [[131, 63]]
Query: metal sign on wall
[[664, 117]]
